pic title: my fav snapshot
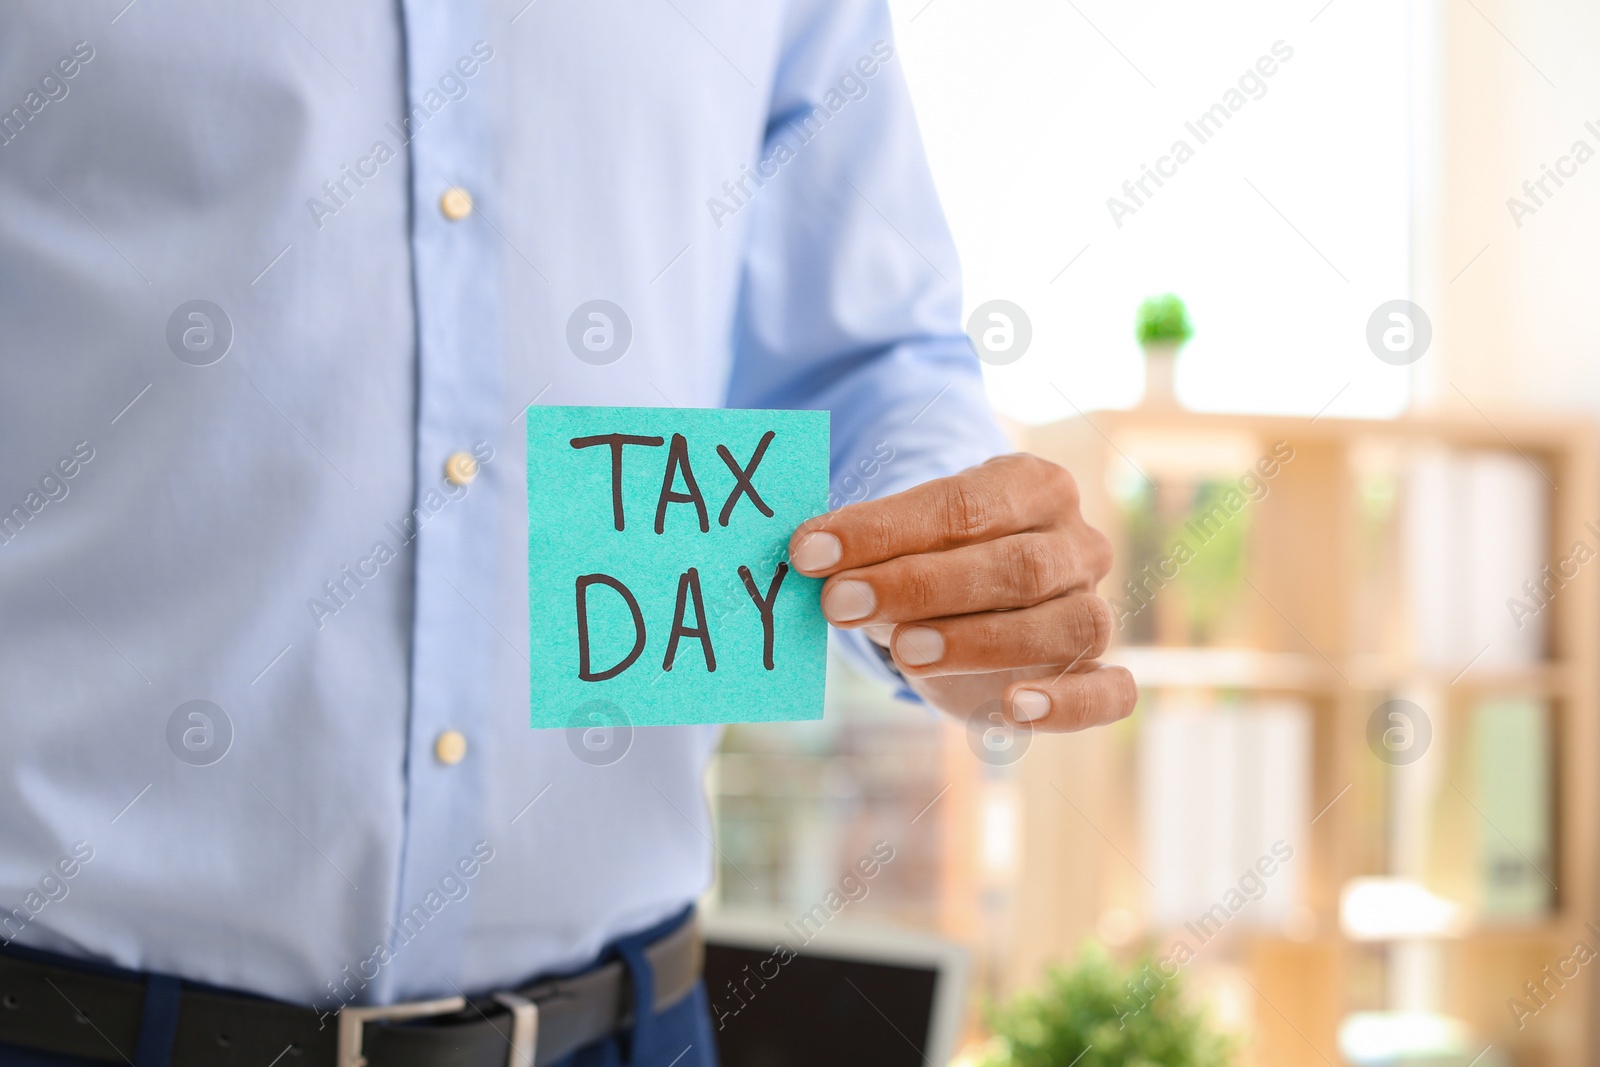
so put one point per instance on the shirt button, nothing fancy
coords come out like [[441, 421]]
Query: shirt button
[[460, 468], [456, 203], [451, 747]]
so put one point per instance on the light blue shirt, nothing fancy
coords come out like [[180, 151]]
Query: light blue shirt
[[243, 501]]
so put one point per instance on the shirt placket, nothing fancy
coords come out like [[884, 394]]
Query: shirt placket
[[459, 423]]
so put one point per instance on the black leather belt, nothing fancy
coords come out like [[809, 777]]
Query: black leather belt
[[96, 1016]]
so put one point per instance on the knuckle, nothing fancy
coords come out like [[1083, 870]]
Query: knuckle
[[1031, 473], [1102, 696], [1029, 646], [970, 507], [875, 536], [1125, 691], [1098, 554], [1076, 702], [1057, 479], [992, 636], [1031, 570], [919, 590], [1089, 557], [1095, 625], [965, 510], [989, 640], [1079, 632], [1130, 693]]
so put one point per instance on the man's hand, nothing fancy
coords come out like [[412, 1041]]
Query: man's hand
[[981, 585]]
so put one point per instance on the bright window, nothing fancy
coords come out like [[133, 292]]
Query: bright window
[[1283, 231]]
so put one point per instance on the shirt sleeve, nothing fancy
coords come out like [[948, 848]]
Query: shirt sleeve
[[851, 295]]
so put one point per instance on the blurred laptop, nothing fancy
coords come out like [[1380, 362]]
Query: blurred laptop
[[853, 994]]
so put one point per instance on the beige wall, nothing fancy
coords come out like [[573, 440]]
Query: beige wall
[[1521, 326]]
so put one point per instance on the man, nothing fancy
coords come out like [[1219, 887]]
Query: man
[[279, 282]]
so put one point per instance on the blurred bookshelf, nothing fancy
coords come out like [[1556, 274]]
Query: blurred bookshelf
[[1375, 565], [797, 806], [1356, 574]]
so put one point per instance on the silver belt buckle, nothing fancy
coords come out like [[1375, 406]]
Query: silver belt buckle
[[353, 1021], [524, 1027]]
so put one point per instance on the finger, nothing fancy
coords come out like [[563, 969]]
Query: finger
[[1018, 571], [1092, 694], [1065, 630], [880, 633], [1006, 495]]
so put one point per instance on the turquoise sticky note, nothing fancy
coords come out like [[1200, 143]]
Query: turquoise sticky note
[[659, 589]]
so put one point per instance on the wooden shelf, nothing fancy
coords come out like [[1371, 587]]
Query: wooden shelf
[[1157, 666], [1308, 630], [1523, 430], [1539, 679], [1176, 666]]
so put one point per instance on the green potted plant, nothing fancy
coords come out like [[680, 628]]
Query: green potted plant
[[1096, 1014], [1162, 326]]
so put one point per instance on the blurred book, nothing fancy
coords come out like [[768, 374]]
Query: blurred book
[[1184, 560], [1490, 824], [1223, 798], [1511, 748], [1476, 536]]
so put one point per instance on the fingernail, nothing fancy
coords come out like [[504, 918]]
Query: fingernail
[[848, 600], [879, 633], [918, 646], [817, 552], [1029, 704]]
